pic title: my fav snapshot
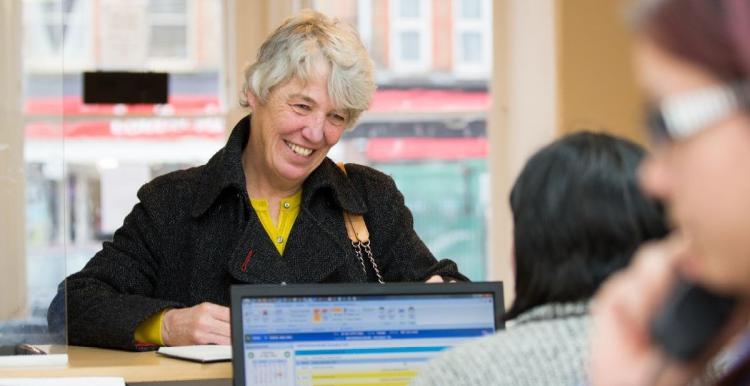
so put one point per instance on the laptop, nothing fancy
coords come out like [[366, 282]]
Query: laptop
[[315, 334]]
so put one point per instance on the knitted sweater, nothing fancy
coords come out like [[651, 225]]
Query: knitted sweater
[[544, 346]]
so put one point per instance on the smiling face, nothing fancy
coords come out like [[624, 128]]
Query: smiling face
[[704, 179], [293, 131]]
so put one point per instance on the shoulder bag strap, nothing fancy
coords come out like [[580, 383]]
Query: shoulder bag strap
[[357, 231]]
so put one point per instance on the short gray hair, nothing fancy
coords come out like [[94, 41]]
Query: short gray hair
[[293, 51]]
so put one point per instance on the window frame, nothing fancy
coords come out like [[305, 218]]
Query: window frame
[[174, 64], [423, 26], [73, 22], [483, 25]]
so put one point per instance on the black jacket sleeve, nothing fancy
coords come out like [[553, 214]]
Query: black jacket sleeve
[[113, 293]]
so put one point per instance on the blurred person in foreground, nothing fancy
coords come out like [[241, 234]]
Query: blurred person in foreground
[[578, 216], [267, 208], [693, 60]]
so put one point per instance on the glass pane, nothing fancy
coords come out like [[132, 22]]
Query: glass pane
[[471, 47], [73, 200], [168, 6], [168, 41], [168, 31], [116, 148], [409, 46], [428, 130], [471, 9], [46, 22], [409, 9], [32, 222]]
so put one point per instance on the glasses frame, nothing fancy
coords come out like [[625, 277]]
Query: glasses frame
[[682, 116]]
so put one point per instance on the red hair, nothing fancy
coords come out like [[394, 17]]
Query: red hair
[[713, 34]]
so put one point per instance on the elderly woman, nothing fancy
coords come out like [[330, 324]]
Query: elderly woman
[[267, 208]]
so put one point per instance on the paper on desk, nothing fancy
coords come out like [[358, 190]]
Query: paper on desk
[[84, 381], [14, 361], [199, 353]]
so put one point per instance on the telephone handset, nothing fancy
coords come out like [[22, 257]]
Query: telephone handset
[[689, 320]]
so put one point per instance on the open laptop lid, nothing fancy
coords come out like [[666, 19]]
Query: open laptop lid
[[305, 334]]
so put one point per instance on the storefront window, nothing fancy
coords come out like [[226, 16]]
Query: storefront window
[[82, 172], [32, 217], [427, 125]]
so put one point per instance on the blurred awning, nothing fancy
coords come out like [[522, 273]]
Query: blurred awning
[[428, 101], [198, 116], [388, 101], [406, 149]]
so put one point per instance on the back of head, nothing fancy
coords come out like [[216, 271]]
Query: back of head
[[578, 216], [301, 47]]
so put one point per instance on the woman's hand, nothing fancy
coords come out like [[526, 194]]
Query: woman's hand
[[205, 323], [621, 350], [438, 279]]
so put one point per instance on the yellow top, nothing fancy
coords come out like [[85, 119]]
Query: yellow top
[[149, 331], [288, 211]]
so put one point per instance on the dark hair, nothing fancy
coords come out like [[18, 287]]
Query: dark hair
[[578, 216], [713, 34]]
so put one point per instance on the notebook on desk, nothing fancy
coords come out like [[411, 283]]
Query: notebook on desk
[[353, 333], [200, 353]]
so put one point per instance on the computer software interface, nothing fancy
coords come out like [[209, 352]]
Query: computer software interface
[[355, 340]]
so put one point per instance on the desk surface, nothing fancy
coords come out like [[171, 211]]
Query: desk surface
[[133, 366]]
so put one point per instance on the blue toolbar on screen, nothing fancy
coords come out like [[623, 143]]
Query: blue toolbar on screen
[[316, 340]]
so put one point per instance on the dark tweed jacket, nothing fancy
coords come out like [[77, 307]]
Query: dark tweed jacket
[[194, 233]]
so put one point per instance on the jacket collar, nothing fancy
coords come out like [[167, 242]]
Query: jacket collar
[[224, 171]]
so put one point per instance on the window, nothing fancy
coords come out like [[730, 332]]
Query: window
[[409, 46], [408, 9], [472, 38], [84, 163], [471, 47], [168, 29], [27, 279], [56, 30], [471, 9], [424, 128], [411, 22]]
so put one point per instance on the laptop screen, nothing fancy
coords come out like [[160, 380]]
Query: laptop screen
[[362, 339]]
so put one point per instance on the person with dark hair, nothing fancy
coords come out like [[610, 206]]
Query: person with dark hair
[[578, 216], [693, 60]]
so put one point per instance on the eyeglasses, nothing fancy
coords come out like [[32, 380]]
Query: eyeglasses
[[683, 116]]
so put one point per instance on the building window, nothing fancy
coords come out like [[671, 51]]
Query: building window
[[168, 29], [408, 9], [472, 38], [411, 37], [471, 9], [471, 47], [427, 133], [409, 46], [55, 30]]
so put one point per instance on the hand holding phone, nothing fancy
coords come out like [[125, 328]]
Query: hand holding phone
[[653, 327], [622, 351], [689, 320]]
